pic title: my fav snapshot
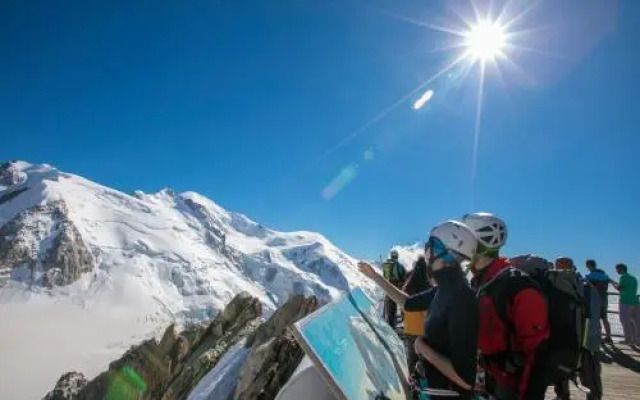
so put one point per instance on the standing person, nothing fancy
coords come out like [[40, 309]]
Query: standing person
[[600, 280], [449, 344], [395, 273], [508, 348], [590, 371], [562, 388], [417, 282], [629, 305]]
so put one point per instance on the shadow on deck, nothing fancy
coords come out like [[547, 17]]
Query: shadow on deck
[[620, 374], [622, 355]]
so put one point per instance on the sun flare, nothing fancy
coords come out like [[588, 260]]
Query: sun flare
[[485, 41]]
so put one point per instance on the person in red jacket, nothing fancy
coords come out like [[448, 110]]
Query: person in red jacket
[[509, 350]]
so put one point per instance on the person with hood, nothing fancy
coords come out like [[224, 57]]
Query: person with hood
[[395, 273], [508, 349], [449, 343]]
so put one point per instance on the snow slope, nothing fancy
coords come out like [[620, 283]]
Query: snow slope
[[221, 381], [158, 257]]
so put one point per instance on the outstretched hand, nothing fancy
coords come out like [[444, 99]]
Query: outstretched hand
[[366, 269]]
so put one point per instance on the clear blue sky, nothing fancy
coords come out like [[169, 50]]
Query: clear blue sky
[[240, 100]]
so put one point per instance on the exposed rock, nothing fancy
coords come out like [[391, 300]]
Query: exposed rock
[[274, 352], [69, 256], [239, 319], [169, 369], [67, 387], [10, 175], [12, 194], [43, 241], [268, 367], [296, 307], [15, 249]]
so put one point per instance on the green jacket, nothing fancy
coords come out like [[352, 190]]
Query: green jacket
[[628, 289]]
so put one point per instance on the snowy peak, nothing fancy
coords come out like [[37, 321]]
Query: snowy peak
[[103, 269], [186, 252]]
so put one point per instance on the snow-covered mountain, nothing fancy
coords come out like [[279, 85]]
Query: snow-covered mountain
[[91, 265]]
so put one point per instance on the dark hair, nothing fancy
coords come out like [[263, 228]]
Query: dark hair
[[417, 281], [622, 267], [591, 263]]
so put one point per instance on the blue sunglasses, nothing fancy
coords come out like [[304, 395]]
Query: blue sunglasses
[[437, 250]]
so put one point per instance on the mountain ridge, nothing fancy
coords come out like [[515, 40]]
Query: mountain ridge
[[77, 254]]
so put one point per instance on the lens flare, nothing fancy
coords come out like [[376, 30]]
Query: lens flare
[[346, 176], [485, 40], [423, 100]]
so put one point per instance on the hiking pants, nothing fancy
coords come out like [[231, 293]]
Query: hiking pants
[[591, 375], [562, 390], [630, 319], [391, 309]]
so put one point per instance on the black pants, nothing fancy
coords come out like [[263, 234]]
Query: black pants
[[539, 380], [591, 375], [562, 389], [391, 309]]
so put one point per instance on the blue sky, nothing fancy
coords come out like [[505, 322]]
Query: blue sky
[[245, 102]]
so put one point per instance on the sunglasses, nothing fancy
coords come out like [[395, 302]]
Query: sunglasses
[[437, 250]]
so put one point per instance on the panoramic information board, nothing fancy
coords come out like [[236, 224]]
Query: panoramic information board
[[357, 353]]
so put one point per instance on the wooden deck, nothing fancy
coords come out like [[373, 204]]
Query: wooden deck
[[620, 374]]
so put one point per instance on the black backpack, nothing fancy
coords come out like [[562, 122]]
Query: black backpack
[[567, 311]]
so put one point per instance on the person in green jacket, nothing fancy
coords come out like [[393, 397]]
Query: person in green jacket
[[629, 305], [395, 273]]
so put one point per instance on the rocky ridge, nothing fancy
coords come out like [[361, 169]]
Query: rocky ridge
[[171, 368]]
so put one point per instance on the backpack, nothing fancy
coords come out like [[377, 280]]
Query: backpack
[[393, 271], [567, 312]]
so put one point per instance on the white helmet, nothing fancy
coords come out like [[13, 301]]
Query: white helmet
[[457, 238], [490, 230]]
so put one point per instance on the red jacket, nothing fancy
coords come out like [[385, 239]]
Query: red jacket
[[527, 312]]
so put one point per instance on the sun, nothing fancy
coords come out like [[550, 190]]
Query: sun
[[485, 41]]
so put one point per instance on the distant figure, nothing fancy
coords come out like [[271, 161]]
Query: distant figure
[[562, 388], [417, 282], [629, 305], [600, 280], [591, 370], [395, 273]]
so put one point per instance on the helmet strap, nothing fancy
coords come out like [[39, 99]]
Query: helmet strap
[[484, 251]]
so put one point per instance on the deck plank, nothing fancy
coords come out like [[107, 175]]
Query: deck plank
[[620, 374]]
